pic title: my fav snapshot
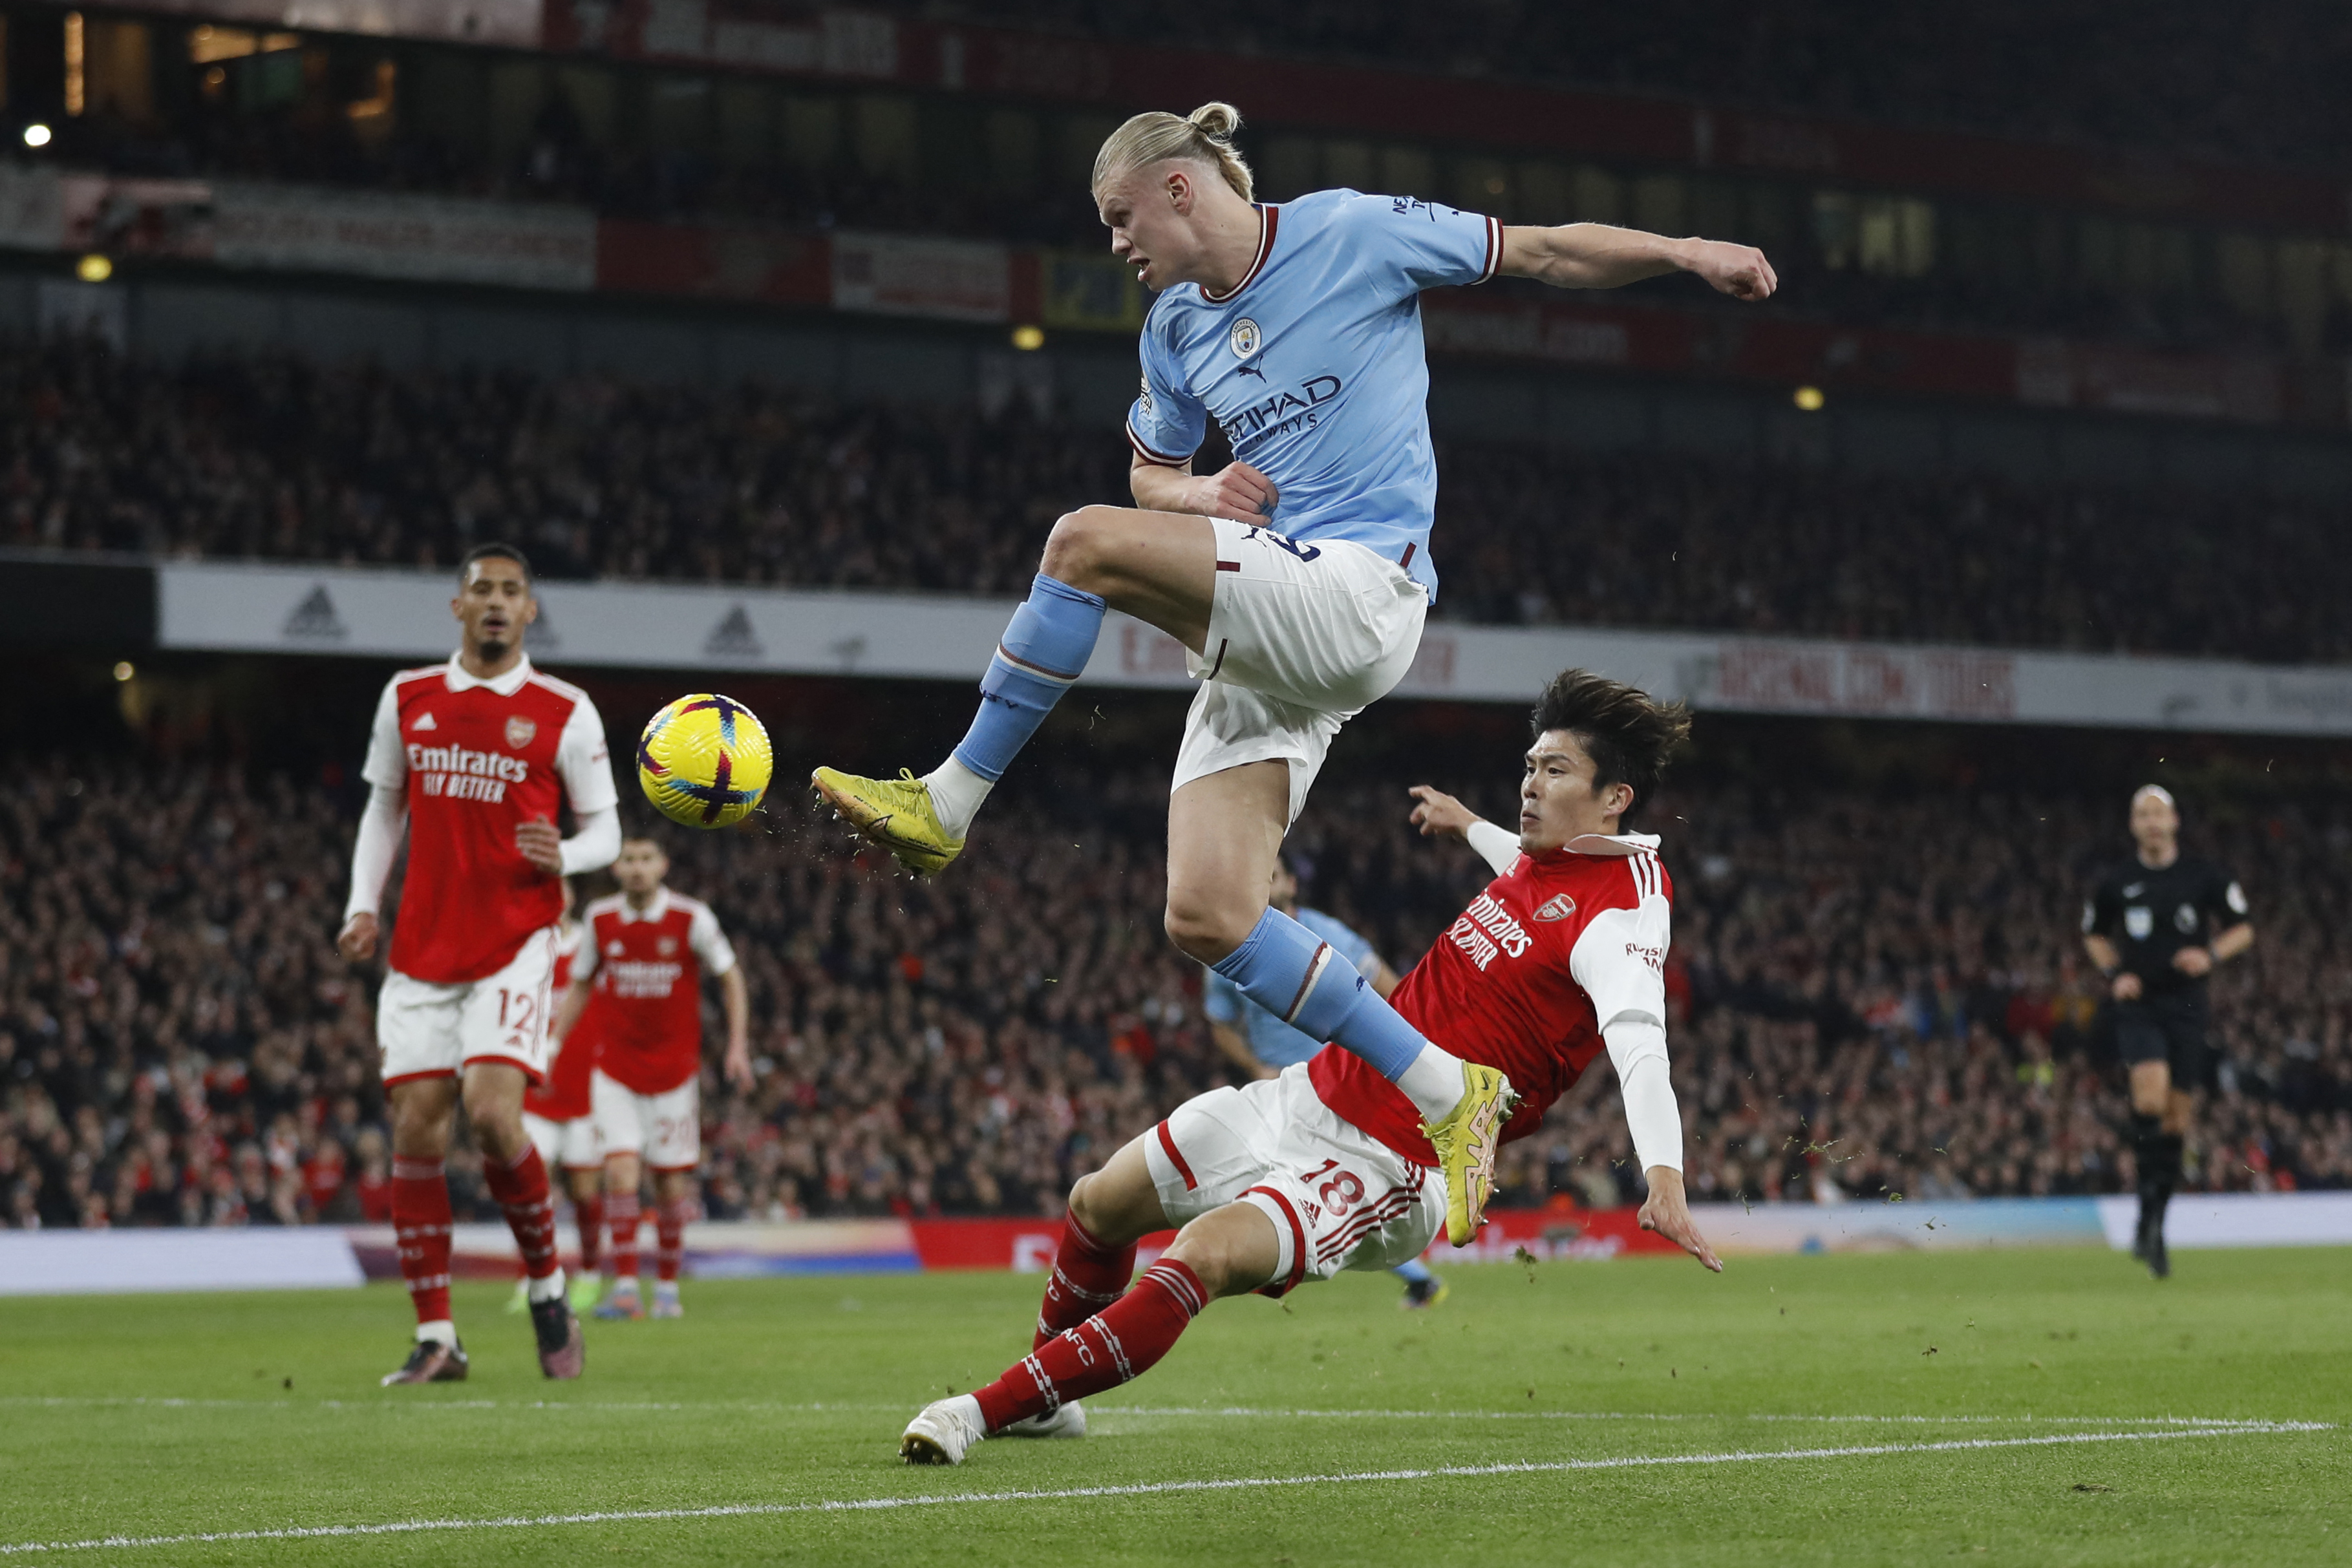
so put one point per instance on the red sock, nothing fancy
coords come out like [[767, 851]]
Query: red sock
[[621, 1215], [1119, 1343], [590, 1214], [521, 1187], [1088, 1277], [669, 1236], [420, 1224]]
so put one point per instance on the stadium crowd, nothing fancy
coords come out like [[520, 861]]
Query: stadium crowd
[[279, 458], [1873, 1000]]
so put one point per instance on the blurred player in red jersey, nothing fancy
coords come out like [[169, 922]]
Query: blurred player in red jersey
[[1324, 1167], [638, 982], [562, 1122], [473, 759]]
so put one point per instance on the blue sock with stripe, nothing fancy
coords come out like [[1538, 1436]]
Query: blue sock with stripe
[[1414, 1271], [1044, 649], [1293, 973]]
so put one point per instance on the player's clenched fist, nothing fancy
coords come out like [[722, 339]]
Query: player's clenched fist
[[357, 942], [1237, 491], [541, 845], [1739, 270]]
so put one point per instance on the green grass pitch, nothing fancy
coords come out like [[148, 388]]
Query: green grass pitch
[[2114, 1419]]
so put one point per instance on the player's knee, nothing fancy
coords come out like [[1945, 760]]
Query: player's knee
[[1076, 549], [1201, 1250], [1207, 929]]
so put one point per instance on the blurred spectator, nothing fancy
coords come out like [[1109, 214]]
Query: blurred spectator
[[272, 458]]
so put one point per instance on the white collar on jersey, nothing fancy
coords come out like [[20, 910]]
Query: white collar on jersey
[[653, 911], [506, 686], [1611, 844]]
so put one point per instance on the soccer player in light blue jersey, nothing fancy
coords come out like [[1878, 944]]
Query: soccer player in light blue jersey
[[1262, 1045], [1296, 577]]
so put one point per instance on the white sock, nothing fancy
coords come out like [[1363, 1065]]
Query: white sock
[[440, 1329], [626, 1284], [1433, 1083], [956, 792], [549, 1289]]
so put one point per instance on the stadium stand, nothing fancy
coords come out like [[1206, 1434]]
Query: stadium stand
[[2186, 78], [271, 458], [1874, 998]]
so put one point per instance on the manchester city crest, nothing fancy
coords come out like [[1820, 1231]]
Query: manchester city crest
[[1245, 338]]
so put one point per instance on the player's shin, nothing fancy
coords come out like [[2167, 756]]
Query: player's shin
[[1119, 1343], [589, 1212], [420, 1224], [1297, 976], [1088, 1277], [671, 1221], [1045, 648], [520, 1186], [622, 1214]]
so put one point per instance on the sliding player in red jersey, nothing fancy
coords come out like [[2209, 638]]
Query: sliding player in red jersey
[[1324, 1168], [472, 759], [638, 982], [561, 1119]]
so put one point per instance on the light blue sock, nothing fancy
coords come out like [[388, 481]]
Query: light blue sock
[[1293, 973], [1414, 1271], [1044, 649]]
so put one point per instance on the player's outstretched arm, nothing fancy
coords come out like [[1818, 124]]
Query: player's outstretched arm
[[1597, 256], [1237, 490], [1667, 1212]]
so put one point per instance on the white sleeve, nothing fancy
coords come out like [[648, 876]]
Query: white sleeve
[[584, 956], [596, 845], [1498, 847], [587, 769], [382, 823], [708, 942], [1638, 1050], [1620, 959], [387, 758]]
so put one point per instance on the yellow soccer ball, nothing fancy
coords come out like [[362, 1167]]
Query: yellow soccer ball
[[704, 761]]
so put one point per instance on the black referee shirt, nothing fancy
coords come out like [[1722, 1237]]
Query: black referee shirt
[[2149, 915]]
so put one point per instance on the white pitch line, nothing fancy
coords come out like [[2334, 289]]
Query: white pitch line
[[1146, 1489], [1213, 1411]]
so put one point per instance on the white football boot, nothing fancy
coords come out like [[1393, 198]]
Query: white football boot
[[1063, 1421], [943, 1432]]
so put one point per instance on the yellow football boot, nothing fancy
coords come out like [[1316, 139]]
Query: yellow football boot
[[1466, 1143], [895, 813]]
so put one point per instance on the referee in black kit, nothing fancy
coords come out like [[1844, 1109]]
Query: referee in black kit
[[2156, 926]]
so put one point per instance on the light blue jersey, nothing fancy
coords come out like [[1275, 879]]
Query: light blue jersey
[[1273, 1042], [1313, 366]]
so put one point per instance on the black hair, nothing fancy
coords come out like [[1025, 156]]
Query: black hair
[[1628, 733], [494, 551]]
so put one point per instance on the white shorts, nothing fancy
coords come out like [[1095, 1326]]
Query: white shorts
[[1340, 1198], [425, 1030], [664, 1130], [1302, 637], [572, 1144]]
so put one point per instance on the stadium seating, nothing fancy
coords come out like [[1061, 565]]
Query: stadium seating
[[1874, 999], [275, 459]]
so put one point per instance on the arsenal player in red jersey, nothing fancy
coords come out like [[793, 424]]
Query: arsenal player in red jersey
[[473, 759], [561, 1119], [1325, 1167], [638, 982]]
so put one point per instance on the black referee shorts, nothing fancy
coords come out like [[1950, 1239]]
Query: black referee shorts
[[2170, 1029]]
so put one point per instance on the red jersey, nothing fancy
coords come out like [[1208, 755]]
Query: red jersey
[[563, 1096], [1523, 980], [477, 759], [648, 965]]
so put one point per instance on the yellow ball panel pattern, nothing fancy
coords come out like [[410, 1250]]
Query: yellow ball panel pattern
[[704, 761]]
